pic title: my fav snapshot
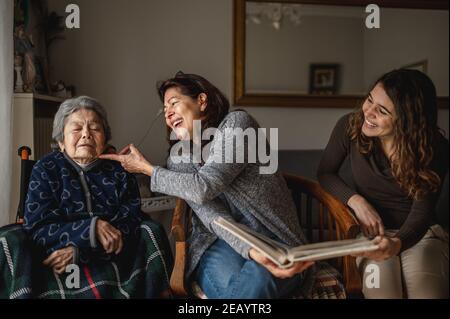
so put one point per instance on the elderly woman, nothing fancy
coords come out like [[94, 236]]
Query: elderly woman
[[84, 210]]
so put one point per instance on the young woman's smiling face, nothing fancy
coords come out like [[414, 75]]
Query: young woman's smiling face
[[379, 114], [181, 111]]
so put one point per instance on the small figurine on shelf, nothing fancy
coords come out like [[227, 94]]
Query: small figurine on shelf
[[29, 73], [23, 45], [59, 89], [18, 83], [70, 91]]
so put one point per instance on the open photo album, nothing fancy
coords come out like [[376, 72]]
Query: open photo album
[[284, 256]]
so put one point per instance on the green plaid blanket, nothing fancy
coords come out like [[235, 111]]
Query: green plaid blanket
[[140, 272]]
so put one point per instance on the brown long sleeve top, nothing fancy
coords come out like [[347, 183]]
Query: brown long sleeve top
[[373, 179]]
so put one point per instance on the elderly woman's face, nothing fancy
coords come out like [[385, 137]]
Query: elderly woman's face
[[84, 136], [181, 111]]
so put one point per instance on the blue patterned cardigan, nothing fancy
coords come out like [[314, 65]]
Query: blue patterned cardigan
[[64, 201]]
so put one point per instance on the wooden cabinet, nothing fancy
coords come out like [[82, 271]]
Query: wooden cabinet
[[32, 126]]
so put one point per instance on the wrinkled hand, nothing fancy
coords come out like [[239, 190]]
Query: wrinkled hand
[[109, 237], [387, 247], [59, 259], [131, 159], [371, 223], [297, 268]]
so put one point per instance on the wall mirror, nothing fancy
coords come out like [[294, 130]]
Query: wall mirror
[[322, 54]]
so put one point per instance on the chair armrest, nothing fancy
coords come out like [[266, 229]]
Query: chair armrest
[[178, 226], [340, 212], [345, 220], [178, 231], [350, 229]]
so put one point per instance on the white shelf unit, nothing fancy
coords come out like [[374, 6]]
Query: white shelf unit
[[32, 126]]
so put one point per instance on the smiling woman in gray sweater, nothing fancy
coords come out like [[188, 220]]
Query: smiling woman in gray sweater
[[222, 265]]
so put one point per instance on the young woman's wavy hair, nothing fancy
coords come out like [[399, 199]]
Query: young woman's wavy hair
[[193, 85], [415, 130]]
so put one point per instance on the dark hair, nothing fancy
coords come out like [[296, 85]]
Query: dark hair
[[193, 85], [415, 130]]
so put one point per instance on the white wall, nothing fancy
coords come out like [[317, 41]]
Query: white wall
[[124, 47], [407, 36]]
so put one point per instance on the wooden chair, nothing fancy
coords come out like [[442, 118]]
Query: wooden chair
[[323, 217]]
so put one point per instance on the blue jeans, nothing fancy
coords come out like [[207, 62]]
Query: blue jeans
[[224, 274]]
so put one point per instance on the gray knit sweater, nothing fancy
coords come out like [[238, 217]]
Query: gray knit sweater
[[263, 199]]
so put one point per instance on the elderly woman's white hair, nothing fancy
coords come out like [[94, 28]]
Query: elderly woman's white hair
[[71, 106]]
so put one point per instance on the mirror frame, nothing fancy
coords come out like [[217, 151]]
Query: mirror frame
[[241, 98]]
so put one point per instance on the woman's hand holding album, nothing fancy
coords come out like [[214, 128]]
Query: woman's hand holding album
[[387, 247], [296, 268]]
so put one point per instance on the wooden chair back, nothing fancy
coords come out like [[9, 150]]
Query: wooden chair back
[[322, 216]]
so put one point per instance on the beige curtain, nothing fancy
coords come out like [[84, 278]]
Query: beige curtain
[[6, 98]]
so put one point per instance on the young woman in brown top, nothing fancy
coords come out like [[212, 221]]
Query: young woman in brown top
[[399, 160]]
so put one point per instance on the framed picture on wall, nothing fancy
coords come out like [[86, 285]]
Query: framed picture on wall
[[323, 78], [421, 66]]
